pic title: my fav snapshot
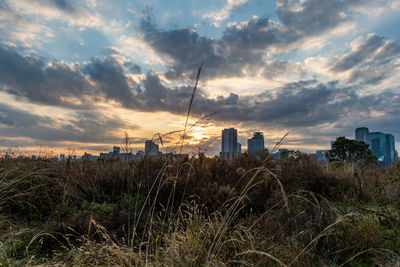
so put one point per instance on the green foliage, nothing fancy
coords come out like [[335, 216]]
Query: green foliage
[[351, 152], [94, 207]]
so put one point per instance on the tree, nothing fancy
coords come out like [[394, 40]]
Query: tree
[[351, 152]]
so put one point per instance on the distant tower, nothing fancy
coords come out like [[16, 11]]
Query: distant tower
[[116, 149], [229, 145], [256, 143], [150, 148], [362, 134], [382, 146]]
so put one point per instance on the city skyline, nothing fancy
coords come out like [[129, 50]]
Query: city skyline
[[151, 148], [77, 75], [384, 148]]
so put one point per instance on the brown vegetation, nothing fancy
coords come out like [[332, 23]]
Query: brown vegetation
[[198, 212]]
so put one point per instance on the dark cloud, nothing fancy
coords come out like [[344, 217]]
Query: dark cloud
[[134, 68], [243, 46], [247, 42], [16, 118], [28, 77], [370, 61], [64, 5], [60, 84], [360, 54], [310, 16], [185, 47], [89, 127], [276, 68], [300, 104], [110, 79]]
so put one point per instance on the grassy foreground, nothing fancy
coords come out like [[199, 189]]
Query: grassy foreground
[[200, 212]]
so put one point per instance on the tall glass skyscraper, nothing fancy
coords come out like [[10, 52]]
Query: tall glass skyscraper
[[381, 145], [229, 144], [150, 148], [362, 134], [256, 143]]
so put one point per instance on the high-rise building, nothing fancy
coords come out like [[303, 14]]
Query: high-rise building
[[391, 150], [150, 148], [321, 156], [229, 144], [362, 134], [382, 146], [116, 149], [256, 143]]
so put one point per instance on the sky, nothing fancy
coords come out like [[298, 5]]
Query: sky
[[76, 75]]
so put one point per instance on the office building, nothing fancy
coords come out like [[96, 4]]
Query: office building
[[229, 144], [362, 135], [277, 155], [382, 146], [256, 143], [113, 155], [90, 157], [151, 148], [321, 156]]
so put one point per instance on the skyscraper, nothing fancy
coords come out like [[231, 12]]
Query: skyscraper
[[239, 148], [116, 149], [382, 146], [150, 148], [256, 143], [229, 144], [362, 134], [391, 150], [321, 156]]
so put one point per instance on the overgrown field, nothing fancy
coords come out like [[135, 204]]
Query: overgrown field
[[199, 212]]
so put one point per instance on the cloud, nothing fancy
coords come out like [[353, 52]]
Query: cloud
[[61, 10], [19, 29], [17, 118], [27, 77], [299, 104], [246, 45], [242, 48], [371, 60], [64, 5], [310, 16], [61, 84], [225, 12], [373, 8], [110, 79], [84, 126]]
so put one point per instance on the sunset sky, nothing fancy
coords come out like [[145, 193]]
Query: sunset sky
[[75, 75]]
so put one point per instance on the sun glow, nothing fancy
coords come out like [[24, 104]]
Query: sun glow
[[198, 135]]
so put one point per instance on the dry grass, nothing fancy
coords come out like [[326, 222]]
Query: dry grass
[[204, 212]]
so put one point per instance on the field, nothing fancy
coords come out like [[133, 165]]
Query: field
[[198, 212]]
